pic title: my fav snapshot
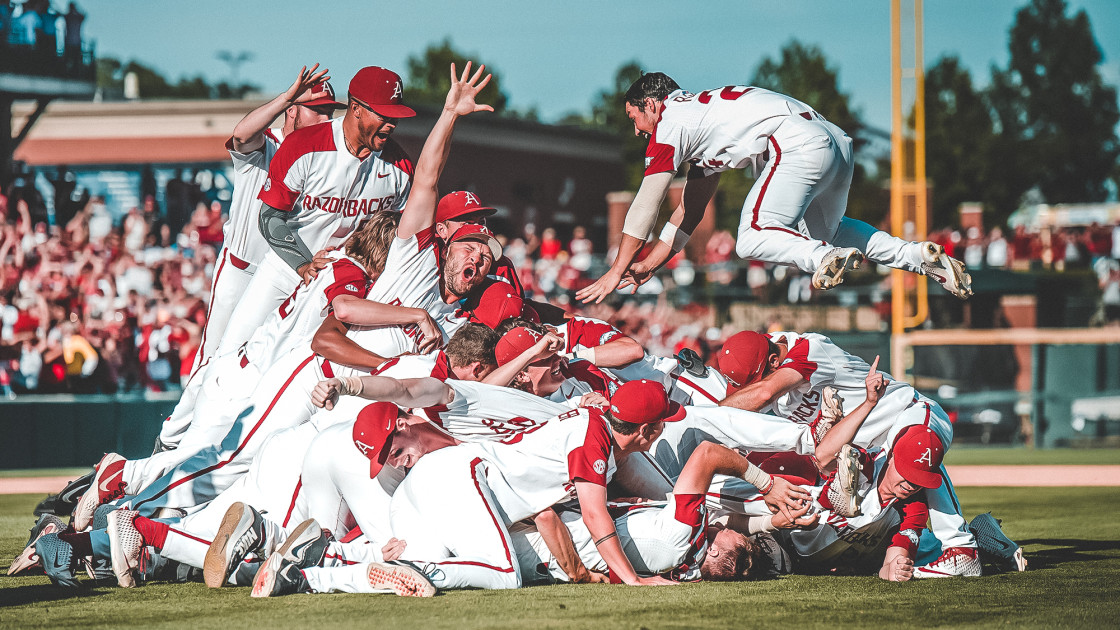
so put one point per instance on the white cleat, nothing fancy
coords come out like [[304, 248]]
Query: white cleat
[[946, 270], [242, 532], [126, 546], [843, 492], [954, 562], [836, 263], [107, 485]]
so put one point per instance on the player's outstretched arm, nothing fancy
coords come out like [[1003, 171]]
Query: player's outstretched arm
[[694, 203], [639, 221], [620, 351], [420, 210], [758, 395], [844, 431], [559, 542], [409, 392], [710, 459], [248, 134], [593, 504]]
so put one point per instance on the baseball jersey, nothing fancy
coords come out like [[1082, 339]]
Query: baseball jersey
[[242, 234], [822, 363], [657, 537], [537, 468], [580, 333], [839, 541], [410, 279], [482, 412], [718, 129], [582, 377], [299, 316], [327, 190]]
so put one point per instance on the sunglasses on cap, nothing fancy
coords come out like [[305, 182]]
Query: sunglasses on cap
[[386, 119]]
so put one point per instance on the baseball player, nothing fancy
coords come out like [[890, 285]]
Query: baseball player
[[234, 376], [658, 537], [484, 487], [788, 372], [324, 181], [309, 101], [412, 276], [794, 213], [893, 513], [551, 376]]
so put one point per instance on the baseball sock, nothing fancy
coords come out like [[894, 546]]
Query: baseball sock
[[154, 533]]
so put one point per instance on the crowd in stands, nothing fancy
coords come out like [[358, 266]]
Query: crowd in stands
[[33, 34], [106, 303]]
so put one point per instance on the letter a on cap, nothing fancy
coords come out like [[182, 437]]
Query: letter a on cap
[[926, 457]]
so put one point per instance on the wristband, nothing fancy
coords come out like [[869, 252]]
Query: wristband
[[674, 237], [350, 386], [587, 354], [757, 478]]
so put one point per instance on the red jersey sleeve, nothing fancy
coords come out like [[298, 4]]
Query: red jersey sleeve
[[349, 279], [276, 191], [798, 359], [426, 238], [503, 269], [915, 514], [588, 333], [597, 379], [588, 461]]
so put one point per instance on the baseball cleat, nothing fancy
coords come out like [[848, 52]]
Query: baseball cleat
[[995, 547], [126, 547], [63, 503], [107, 485], [306, 545], [832, 411], [278, 576], [946, 270], [954, 562], [27, 559], [400, 577], [843, 492], [241, 532], [57, 558], [836, 263]]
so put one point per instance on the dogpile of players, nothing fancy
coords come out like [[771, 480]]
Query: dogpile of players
[[378, 408]]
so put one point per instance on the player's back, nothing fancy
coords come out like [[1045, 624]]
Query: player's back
[[725, 128], [533, 469], [241, 232]]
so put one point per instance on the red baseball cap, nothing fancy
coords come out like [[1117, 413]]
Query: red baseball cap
[[381, 90], [743, 357], [497, 303], [459, 203], [528, 313], [322, 95], [917, 456], [373, 433], [480, 233], [515, 342], [644, 401]]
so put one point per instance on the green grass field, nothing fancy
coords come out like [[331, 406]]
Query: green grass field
[[1071, 536]]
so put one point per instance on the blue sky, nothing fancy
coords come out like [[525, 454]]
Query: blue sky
[[558, 55]]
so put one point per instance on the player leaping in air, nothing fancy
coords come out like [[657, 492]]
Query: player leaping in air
[[794, 213]]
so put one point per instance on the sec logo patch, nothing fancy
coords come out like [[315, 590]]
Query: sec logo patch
[[600, 466], [268, 184]]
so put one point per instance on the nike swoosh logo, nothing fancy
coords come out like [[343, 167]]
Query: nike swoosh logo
[[381, 175], [101, 487]]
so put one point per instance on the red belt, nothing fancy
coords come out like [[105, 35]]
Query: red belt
[[327, 371], [237, 262]]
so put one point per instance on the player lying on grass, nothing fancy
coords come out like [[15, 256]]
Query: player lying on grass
[[415, 276], [788, 373], [794, 213], [484, 487]]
